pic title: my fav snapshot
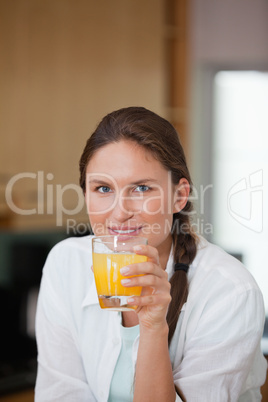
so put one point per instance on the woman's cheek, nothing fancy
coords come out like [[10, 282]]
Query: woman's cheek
[[99, 205], [153, 205]]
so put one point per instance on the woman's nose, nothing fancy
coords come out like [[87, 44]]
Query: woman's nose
[[124, 208]]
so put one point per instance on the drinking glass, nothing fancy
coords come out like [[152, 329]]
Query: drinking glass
[[110, 254]]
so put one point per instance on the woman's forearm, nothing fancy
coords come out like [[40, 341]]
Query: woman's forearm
[[154, 379]]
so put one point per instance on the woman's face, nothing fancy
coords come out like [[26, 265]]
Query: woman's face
[[128, 192]]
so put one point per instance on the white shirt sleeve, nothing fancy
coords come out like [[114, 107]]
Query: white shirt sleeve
[[221, 347], [61, 376]]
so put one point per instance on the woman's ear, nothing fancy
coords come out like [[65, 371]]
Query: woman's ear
[[181, 194]]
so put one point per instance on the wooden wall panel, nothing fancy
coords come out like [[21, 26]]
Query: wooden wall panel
[[63, 65], [177, 49]]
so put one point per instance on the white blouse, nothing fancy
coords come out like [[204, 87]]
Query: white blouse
[[215, 352]]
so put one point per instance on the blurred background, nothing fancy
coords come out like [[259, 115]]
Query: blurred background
[[64, 64]]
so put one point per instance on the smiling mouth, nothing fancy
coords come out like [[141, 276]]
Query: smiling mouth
[[125, 231]]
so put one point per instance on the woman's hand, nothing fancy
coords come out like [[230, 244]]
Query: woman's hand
[[153, 303]]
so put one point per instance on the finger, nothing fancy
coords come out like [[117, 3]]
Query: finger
[[149, 251], [151, 281], [142, 268], [160, 301]]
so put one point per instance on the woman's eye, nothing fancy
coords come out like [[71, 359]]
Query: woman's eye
[[142, 188], [103, 189]]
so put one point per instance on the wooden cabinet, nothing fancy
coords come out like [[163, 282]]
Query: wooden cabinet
[[23, 396], [178, 65], [64, 65]]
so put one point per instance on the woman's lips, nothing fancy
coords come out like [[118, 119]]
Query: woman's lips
[[126, 232]]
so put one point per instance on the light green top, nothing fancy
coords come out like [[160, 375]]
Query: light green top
[[122, 384]]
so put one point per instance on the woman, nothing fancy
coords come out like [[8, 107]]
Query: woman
[[196, 333]]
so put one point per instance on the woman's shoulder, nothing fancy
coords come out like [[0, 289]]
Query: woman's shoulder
[[219, 282], [214, 263], [70, 255], [72, 246]]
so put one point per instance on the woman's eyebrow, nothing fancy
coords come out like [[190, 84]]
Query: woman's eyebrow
[[97, 181], [146, 180], [141, 181]]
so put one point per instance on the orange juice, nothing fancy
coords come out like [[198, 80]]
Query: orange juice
[[111, 293]]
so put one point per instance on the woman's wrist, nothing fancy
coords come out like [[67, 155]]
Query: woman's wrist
[[159, 330]]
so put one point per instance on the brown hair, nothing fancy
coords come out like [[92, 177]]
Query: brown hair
[[159, 137]]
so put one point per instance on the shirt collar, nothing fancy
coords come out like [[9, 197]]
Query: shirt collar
[[201, 244], [170, 263]]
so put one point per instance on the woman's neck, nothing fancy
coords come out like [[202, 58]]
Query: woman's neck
[[129, 319], [164, 251]]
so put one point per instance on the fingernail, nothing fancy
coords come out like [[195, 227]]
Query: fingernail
[[137, 248], [130, 300], [124, 270]]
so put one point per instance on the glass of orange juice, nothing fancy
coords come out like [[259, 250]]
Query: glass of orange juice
[[110, 254]]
